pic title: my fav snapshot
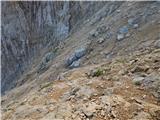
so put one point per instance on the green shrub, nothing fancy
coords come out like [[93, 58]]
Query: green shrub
[[98, 72]]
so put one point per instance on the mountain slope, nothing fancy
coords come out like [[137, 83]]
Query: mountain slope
[[117, 77]]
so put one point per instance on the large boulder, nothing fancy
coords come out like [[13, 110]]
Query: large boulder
[[80, 52], [73, 60]]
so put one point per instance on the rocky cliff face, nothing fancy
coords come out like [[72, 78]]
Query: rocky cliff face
[[28, 27]]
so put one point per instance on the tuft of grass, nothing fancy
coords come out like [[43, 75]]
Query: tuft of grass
[[138, 83], [45, 85], [98, 72], [55, 50]]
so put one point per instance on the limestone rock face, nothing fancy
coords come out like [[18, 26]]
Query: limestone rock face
[[28, 27]]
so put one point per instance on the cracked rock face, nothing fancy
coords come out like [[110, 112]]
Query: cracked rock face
[[28, 27]]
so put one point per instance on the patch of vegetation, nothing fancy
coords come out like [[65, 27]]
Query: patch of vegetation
[[45, 85], [55, 50], [98, 72], [138, 83]]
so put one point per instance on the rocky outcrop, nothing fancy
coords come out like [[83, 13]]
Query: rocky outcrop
[[28, 27], [74, 58]]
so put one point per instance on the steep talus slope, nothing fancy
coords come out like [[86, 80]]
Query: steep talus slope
[[121, 91], [117, 78]]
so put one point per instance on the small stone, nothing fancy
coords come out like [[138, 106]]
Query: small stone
[[157, 44], [101, 40], [135, 26], [102, 29], [103, 19], [101, 86], [93, 100], [131, 21], [108, 91], [95, 94], [85, 99], [135, 113], [51, 107], [123, 30], [113, 114], [102, 113], [89, 114], [132, 98], [138, 80], [93, 34], [138, 101], [127, 35], [89, 109], [118, 11], [74, 90], [120, 37], [140, 69], [144, 96]]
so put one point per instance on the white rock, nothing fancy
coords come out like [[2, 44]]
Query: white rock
[[157, 43], [135, 26], [120, 36], [101, 40], [127, 35], [118, 11], [138, 80]]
